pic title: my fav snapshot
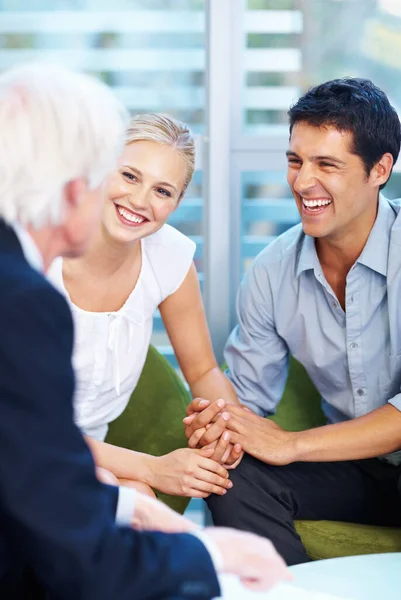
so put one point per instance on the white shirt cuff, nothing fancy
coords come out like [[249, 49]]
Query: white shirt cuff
[[125, 506], [212, 548]]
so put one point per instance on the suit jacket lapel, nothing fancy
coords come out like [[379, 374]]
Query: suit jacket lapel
[[8, 239]]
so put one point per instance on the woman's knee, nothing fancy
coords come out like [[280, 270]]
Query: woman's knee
[[106, 476], [144, 488]]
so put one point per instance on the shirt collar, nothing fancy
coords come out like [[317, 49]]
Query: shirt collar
[[375, 253], [29, 248], [307, 258]]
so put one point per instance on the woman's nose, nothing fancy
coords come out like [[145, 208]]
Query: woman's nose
[[139, 199]]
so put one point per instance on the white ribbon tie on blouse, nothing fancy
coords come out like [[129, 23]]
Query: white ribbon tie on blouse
[[125, 318]]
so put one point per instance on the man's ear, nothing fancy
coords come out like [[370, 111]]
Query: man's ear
[[73, 191], [381, 171]]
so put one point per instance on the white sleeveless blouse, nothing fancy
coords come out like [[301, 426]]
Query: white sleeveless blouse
[[110, 348]]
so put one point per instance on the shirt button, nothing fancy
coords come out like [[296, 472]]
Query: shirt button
[[335, 304], [360, 392], [354, 345]]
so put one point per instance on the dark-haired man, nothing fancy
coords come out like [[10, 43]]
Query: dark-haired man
[[327, 291]]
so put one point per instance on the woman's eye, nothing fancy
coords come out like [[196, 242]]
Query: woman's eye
[[326, 164], [163, 192], [129, 176], [294, 162]]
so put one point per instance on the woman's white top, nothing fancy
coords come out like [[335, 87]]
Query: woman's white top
[[110, 348]]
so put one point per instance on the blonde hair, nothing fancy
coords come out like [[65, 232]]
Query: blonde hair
[[164, 129]]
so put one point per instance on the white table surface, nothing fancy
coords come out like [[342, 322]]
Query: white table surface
[[368, 577]]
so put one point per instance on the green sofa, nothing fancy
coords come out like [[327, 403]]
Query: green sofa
[[152, 423]]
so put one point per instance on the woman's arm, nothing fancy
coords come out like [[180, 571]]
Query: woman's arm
[[184, 318], [183, 472], [123, 463]]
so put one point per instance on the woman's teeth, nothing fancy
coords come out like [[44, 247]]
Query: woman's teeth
[[129, 215]]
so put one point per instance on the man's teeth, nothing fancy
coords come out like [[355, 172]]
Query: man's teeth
[[313, 203], [129, 215]]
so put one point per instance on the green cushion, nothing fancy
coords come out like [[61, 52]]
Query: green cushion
[[330, 539], [300, 409], [152, 421], [300, 406]]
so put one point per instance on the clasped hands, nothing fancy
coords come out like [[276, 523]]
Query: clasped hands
[[241, 429]]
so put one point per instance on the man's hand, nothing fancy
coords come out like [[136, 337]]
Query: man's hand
[[152, 515], [252, 558], [260, 437], [200, 414], [205, 424], [232, 455]]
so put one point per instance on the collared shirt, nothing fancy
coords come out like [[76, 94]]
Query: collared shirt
[[29, 248], [286, 306]]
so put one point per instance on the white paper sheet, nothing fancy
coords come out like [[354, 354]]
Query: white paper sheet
[[232, 589]]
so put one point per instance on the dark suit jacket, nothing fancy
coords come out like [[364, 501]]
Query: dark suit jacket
[[56, 520]]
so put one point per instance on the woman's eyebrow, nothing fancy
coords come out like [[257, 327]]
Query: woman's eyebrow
[[138, 172]]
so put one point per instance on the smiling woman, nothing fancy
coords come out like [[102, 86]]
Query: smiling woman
[[144, 191], [136, 264]]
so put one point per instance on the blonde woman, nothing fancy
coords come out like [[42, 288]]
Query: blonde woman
[[136, 264]]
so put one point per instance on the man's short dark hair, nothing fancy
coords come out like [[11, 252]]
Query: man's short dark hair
[[356, 106]]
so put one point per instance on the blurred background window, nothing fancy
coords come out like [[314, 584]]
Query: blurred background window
[[152, 52], [288, 46], [240, 63]]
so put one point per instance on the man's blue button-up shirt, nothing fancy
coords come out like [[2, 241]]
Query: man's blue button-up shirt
[[285, 306]]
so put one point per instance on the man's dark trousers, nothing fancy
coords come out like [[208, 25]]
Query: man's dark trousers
[[267, 499]]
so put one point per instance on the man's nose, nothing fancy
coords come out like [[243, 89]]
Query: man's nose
[[305, 179]]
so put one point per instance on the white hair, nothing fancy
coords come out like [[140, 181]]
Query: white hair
[[55, 126]]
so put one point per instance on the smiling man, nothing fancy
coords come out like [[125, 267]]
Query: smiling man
[[328, 292]]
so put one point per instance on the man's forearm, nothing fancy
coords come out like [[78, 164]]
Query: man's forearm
[[374, 434]]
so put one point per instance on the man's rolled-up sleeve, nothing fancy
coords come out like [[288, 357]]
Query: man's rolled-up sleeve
[[256, 356], [396, 401]]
